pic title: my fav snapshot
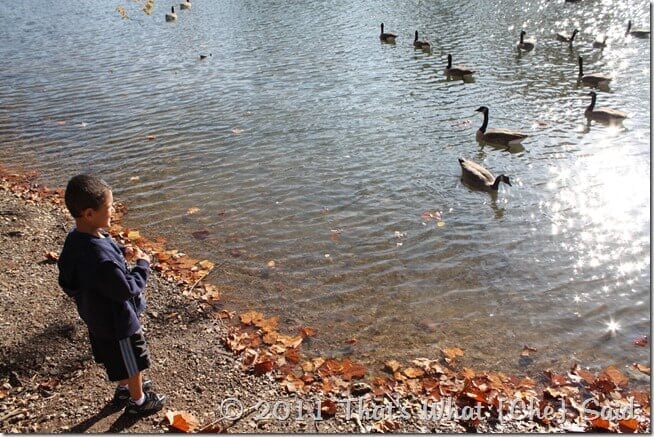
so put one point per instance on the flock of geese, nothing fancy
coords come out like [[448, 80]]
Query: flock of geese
[[475, 175]]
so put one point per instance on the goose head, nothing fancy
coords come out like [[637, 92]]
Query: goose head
[[482, 109], [501, 178], [574, 33]]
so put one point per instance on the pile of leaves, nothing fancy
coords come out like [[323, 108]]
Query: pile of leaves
[[578, 400]]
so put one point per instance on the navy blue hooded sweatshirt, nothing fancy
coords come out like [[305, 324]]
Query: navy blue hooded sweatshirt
[[108, 295]]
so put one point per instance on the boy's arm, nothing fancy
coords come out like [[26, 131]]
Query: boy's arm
[[116, 285]]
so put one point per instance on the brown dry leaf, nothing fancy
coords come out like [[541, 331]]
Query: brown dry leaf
[[392, 366], [306, 331], [615, 376], [267, 325], [182, 421], [556, 379], [201, 234], [250, 317], [583, 374], [628, 425], [223, 314], [292, 356], [263, 367], [452, 353], [352, 370], [327, 408], [385, 425], [526, 350], [351, 341], [641, 341], [600, 424], [192, 210], [308, 366], [413, 372], [270, 338], [206, 264], [642, 368], [290, 341], [52, 256], [329, 367], [151, 137], [212, 294], [49, 384]]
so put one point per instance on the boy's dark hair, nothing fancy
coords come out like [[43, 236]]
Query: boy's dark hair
[[85, 191]]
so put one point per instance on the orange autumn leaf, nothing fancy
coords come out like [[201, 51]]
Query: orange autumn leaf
[[192, 210], [250, 317], [392, 366], [600, 424], [133, 235], [642, 368], [267, 325], [292, 356], [182, 421], [327, 407], [306, 331], [628, 425], [615, 376], [351, 341], [413, 372], [290, 341], [263, 367], [452, 353]]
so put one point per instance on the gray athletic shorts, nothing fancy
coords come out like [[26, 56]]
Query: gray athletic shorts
[[121, 358]]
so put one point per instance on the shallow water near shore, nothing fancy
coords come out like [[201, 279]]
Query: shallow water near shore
[[304, 141]]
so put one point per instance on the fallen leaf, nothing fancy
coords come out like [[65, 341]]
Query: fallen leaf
[[237, 131], [192, 210], [202, 234], [134, 178], [641, 341], [263, 367], [306, 331], [452, 353], [52, 256], [392, 366], [526, 350], [413, 372], [616, 376], [327, 407], [182, 421], [628, 425], [642, 368], [151, 137], [133, 235], [351, 341]]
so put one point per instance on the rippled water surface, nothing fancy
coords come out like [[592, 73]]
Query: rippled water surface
[[305, 141]]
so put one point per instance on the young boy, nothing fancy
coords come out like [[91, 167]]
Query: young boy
[[109, 296]]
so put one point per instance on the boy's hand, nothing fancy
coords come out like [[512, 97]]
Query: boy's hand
[[134, 253], [139, 254]]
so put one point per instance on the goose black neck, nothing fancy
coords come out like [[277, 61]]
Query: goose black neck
[[449, 61], [628, 27], [416, 40], [593, 97], [484, 125], [496, 184], [382, 28], [172, 9], [581, 67], [522, 37]]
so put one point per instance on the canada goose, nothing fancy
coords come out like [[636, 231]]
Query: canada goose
[[171, 16], [204, 56], [600, 41], [565, 37], [478, 177], [456, 70], [386, 37], [638, 33], [593, 79], [185, 5], [603, 115], [504, 137], [419, 44], [526, 45]]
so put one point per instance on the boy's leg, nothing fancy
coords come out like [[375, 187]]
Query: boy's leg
[[135, 386]]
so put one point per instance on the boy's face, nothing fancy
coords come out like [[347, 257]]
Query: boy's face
[[101, 217]]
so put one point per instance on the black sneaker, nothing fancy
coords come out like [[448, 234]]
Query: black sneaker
[[121, 395], [153, 403]]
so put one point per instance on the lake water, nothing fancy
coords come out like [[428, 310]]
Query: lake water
[[305, 141]]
